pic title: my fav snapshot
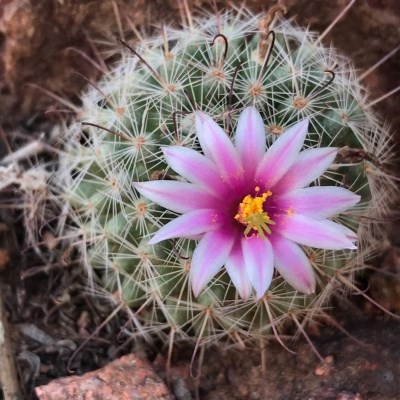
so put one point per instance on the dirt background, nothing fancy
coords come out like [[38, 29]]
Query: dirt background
[[46, 47]]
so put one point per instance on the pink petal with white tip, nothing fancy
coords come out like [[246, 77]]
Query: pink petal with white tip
[[250, 139], [309, 165], [195, 167], [219, 148], [189, 225], [319, 202], [208, 258], [313, 233], [259, 261], [235, 267], [180, 197], [293, 264], [281, 155], [344, 229]]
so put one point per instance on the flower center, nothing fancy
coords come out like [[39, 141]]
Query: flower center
[[251, 213]]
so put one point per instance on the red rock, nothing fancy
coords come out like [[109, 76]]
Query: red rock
[[129, 378]]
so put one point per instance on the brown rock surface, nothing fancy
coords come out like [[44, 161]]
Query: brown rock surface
[[128, 378], [38, 39]]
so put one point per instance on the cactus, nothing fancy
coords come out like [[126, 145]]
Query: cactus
[[146, 102]]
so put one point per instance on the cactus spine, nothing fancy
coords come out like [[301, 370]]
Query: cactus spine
[[220, 65]]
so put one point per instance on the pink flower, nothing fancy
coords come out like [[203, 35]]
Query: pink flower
[[250, 206]]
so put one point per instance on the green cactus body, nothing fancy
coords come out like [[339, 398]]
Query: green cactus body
[[301, 79]]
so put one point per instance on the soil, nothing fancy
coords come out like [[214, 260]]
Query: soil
[[50, 309], [352, 370]]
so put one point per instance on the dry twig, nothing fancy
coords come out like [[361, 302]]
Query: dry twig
[[8, 371]]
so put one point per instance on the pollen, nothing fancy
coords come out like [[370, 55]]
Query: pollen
[[251, 213]]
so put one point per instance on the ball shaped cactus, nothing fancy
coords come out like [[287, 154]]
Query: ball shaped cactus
[[239, 118]]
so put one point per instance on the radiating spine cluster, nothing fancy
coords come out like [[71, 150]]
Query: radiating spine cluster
[[219, 66]]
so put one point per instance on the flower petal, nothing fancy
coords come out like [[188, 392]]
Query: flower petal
[[188, 225], [319, 202], [250, 139], [309, 165], [208, 258], [313, 233], [235, 267], [219, 148], [259, 261], [352, 236], [180, 197], [293, 264], [282, 154], [194, 167]]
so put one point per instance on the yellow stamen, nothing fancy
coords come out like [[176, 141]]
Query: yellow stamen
[[251, 213]]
